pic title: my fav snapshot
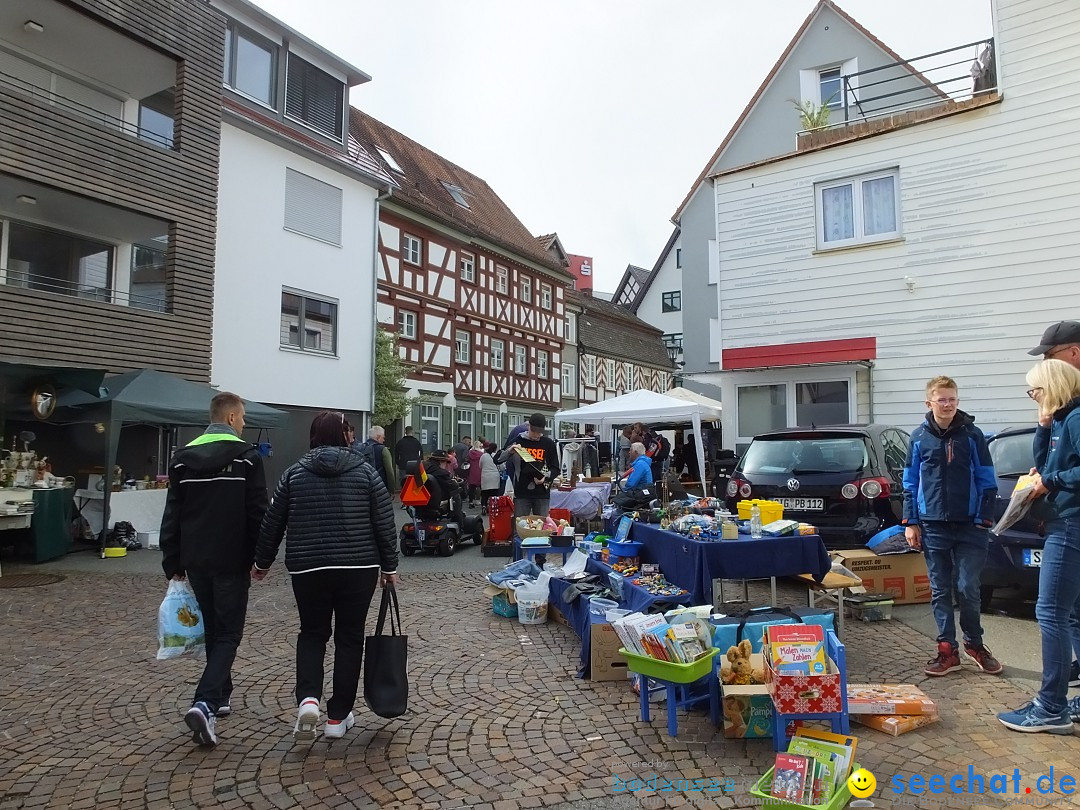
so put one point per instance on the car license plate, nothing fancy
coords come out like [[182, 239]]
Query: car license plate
[[1033, 557], [420, 535], [802, 504]]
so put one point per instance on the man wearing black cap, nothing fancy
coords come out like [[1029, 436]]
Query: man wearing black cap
[[1061, 341], [532, 478]]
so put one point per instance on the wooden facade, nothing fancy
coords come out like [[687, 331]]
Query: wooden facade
[[56, 147]]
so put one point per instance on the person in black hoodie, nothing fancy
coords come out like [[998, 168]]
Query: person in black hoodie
[[338, 520], [215, 504]]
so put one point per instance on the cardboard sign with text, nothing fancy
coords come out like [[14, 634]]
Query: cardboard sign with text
[[902, 575]]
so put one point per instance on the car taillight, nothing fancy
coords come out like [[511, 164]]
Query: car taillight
[[744, 489], [732, 488], [869, 488]]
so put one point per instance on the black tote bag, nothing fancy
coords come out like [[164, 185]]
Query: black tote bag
[[386, 679]]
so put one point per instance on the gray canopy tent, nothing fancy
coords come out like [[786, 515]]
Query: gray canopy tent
[[151, 397]]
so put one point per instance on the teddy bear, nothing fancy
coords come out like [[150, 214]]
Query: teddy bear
[[741, 670]]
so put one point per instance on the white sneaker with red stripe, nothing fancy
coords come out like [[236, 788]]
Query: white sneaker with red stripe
[[335, 729]]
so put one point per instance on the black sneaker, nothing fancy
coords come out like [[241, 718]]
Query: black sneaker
[[1074, 674], [200, 720]]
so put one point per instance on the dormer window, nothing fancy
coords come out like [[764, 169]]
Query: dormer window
[[388, 159], [831, 88], [314, 97], [250, 64], [457, 193]]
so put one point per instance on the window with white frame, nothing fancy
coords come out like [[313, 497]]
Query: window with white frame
[[609, 374], [569, 380], [490, 422], [830, 85], [521, 359], [498, 355], [406, 324], [589, 362], [526, 290], [430, 427], [545, 296], [308, 323], [858, 210], [312, 208], [502, 283], [461, 345], [468, 268], [628, 374], [465, 425], [542, 365], [411, 249], [570, 328], [761, 408], [790, 403]]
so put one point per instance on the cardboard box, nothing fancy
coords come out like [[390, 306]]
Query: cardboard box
[[887, 698], [895, 724], [557, 615], [747, 713], [902, 575], [495, 590], [605, 663], [797, 693]]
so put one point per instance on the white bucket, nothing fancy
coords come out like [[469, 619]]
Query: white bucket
[[532, 611], [615, 614]]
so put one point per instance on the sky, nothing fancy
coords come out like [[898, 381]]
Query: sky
[[589, 118]]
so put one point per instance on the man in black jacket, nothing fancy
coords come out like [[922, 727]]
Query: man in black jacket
[[213, 510], [447, 488], [407, 449]]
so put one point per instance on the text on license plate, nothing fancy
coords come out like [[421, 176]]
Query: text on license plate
[[420, 535], [803, 504], [1033, 557]]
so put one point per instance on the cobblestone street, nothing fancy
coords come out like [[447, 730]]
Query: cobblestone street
[[89, 719]]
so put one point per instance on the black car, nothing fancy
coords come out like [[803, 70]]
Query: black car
[[1015, 556], [847, 480]]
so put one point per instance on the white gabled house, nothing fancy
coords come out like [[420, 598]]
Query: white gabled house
[[656, 295], [938, 237]]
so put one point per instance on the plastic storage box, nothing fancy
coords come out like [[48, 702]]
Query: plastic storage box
[[625, 549], [770, 510], [667, 670], [761, 791]]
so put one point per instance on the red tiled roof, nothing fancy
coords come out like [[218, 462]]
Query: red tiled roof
[[421, 188]]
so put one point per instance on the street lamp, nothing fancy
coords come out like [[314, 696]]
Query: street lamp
[[673, 357]]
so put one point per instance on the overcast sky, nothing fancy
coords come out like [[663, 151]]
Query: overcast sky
[[588, 117]]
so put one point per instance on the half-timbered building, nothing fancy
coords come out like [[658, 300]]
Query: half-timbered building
[[617, 351], [476, 301]]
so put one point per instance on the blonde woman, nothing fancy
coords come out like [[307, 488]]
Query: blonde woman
[[1055, 386]]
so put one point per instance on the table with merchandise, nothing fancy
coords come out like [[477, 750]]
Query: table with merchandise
[[694, 564], [634, 598]]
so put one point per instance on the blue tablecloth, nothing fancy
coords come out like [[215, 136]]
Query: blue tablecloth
[[577, 612], [694, 564]]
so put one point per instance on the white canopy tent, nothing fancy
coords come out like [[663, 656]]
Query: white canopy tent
[[644, 406]]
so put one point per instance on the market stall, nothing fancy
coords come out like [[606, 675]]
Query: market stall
[[643, 406], [150, 397]]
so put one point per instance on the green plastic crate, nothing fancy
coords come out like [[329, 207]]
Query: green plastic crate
[[761, 791], [668, 671]]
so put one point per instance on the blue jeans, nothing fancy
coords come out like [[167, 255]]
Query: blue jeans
[[1059, 600], [955, 551]]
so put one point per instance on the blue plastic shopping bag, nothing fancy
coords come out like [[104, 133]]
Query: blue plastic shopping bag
[[180, 622]]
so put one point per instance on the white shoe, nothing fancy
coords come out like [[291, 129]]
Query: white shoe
[[335, 729], [307, 719]]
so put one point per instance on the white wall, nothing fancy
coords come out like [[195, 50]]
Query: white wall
[[990, 202], [256, 257], [669, 278]]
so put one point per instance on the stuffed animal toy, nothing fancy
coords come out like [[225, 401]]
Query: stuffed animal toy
[[741, 671]]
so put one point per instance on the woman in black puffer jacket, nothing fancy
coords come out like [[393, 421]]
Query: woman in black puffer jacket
[[339, 520]]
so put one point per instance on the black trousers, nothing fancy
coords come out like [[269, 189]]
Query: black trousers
[[339, 597], [223, 600]]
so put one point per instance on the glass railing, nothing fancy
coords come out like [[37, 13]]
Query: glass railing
[[7, 81], [87, 292]]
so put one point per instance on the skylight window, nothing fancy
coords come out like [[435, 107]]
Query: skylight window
[[458, 194], [386, 156]]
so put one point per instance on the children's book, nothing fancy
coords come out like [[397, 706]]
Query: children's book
[[844, 744], [827, 757], [789, 777], [797, 648]]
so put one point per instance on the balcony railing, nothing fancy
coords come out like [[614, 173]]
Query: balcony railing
[[943, 78], [87, 292], [84, 110]]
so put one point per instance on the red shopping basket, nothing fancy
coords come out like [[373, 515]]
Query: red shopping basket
[[561, 514], [501, 514]]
